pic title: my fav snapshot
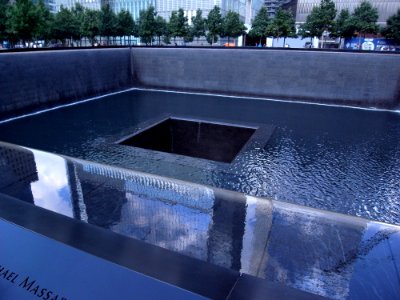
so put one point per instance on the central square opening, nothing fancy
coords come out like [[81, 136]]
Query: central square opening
[[195, 138]]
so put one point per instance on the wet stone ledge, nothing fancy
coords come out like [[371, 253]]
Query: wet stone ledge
[[207, 241]]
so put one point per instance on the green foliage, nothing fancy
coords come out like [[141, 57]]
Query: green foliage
[[78, 14], [44, 22], [260, 24], [392, 29], [65, 25], [321, 18], [232, 26], [364, 18], [147, 24], [22, 20], [199, 25], [29, 20], [108, 22], [161, 28], [343, 26], [125, 24], [283, 25], [311, 27], [327, 14], [178, 26], [3, 19], [91, 25], [214, 25]]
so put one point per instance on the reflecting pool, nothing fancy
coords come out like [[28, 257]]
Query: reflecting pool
[[334, 158]]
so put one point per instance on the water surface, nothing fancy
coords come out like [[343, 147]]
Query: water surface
[[340, 159]]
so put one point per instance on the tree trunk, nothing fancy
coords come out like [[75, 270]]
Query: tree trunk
[[284, 41]]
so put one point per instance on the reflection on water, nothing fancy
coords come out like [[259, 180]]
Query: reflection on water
[[17, 171], [330, 255], [338, 159], [51, 172]]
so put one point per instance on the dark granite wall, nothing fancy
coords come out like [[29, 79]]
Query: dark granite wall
[[362, 79], [30, 80]]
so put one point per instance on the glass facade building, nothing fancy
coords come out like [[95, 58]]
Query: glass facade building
[[92, 4], [274, 5], [245, 8], [133, 6]]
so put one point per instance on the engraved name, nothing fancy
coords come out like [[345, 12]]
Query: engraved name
[[29, 284]]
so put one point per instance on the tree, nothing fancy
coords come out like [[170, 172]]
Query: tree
[[161, 28], [392, 29], [364, 18], [199, 25], [21, 20], [320, 20], [3, 18], [178, 26], [327, 15], [91, 25], [125, 24], [44, 21], [311, 27], [214, 25], [108, 22], [232, 26], [283, 25], [147, 24], [343, 26], [260, 24], [78, 15], [64, 25]]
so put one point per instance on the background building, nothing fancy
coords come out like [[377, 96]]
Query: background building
[[51, 5], [92, 4], [274, 5], [133, 6], [245, 8], [386, 8]]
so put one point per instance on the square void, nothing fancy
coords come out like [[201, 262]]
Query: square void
[[195, 138]]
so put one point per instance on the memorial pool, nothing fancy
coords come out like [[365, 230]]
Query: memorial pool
[[334, 158]]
